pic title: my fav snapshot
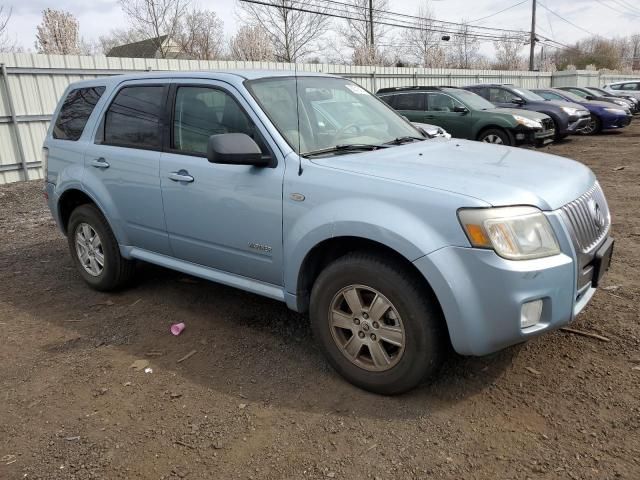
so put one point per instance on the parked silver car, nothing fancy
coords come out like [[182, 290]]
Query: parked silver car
[[630, 88]]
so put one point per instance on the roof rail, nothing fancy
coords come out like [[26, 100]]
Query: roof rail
[[415, 87]]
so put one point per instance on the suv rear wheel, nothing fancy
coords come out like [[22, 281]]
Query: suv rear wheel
[[496, 136], [95, 251], [376, 323]]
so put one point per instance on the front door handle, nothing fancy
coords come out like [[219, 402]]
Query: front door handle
[[100, 163], [181, 176]]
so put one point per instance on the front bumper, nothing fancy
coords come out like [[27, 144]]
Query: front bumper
[[613, 122], [531, 136], [482, 294]]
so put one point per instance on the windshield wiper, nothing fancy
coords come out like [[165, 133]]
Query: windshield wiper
[[403, 140], [349, 147]]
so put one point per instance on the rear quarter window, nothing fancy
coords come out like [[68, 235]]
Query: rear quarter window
[[75, 112]]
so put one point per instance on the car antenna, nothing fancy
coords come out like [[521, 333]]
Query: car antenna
[[295, 75]]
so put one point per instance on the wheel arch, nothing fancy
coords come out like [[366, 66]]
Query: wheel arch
[[330, 249]]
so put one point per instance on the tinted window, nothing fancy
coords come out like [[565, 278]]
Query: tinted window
[[133, 119], [579, 92], [389, 100], [75, 112], [615, 87], [439, 102], [630, 86], [201, 112], [410, 101]]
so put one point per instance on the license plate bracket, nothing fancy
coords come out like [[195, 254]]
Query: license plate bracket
[[602, 261]]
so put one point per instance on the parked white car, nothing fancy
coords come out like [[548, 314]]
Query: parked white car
[[629, 87]]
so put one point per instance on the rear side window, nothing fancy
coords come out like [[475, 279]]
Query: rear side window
[[133, 119], [75, 112], [630, 86], [410, 101]]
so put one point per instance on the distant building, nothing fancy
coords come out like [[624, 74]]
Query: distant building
[[149, 48]]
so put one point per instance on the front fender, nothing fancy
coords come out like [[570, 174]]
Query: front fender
[[384, 223]]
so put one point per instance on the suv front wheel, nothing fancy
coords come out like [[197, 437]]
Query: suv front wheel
[[95, 251], [376, 323], [496, 136]]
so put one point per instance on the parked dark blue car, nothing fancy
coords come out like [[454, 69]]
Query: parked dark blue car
[[604, 115]]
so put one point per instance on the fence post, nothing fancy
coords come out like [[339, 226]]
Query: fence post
[[415, 78], [14, 121], [373, 81]]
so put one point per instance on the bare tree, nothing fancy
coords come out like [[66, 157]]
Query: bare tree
[[251, 44], [118, 37], [423, 46], [508, 54], [6, 44], [356, 33], [200, 35], [154, 19], [294, 34], [58, 33], [466, 47]]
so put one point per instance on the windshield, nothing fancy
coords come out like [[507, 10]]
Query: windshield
[[599, 92], [472, 100], [528, 95], [333, 111], [571, 96]]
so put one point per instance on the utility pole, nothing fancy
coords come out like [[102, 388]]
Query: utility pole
[[533, 36], [371, 23]]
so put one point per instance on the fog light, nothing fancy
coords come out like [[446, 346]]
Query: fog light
[[530, 314], [520, 136]]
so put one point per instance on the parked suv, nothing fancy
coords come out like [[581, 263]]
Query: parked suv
[[467, 115], [635, 103], [395, 243], [569, 118], [604, 115]]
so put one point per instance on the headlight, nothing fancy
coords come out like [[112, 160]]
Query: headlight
[[622, 103], [569, 110], [616, 111], [527, 122], [515, 233]]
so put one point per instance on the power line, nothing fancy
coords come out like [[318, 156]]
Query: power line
[[345, 14], [568, 21], [627, 8], [498, 12]]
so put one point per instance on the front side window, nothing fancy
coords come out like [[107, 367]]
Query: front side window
[[439, 102], [616, 86], [314, 113], [133, 119], [500, 95], [75, 112], [580, 93], [201, 112]]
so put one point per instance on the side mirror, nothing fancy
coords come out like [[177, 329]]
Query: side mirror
[[590, 97], [459, 109], [517, 101], [235, 149]]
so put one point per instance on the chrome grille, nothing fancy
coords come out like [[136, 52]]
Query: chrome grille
[[589, 218]]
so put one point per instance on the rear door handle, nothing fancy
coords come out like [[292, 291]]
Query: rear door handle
[[181, 176], [100, 163]]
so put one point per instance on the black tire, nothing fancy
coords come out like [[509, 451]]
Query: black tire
[[425, 340], [558, 135], [505, 137], [117, 271]]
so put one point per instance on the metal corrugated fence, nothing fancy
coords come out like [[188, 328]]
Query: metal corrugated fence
[[31, 85]]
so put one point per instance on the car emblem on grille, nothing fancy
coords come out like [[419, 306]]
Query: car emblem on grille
[[596, 214]]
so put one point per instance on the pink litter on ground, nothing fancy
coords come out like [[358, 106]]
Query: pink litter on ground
[[177, 328]]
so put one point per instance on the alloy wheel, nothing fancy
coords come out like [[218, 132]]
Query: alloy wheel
[[492, 139], [367, 328], [89, 249]]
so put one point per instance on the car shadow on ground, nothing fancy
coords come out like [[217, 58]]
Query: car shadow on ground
[[245, 344]]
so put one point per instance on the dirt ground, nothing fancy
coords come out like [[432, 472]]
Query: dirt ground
[[258, 401]]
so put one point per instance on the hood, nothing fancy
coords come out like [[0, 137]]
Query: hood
[[530, 114], [597, 103], [563, 103], [495, 174]]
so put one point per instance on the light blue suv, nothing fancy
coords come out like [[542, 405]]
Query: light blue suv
[[310, 190]]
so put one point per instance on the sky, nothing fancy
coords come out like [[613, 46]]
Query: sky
[[602, 17]]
